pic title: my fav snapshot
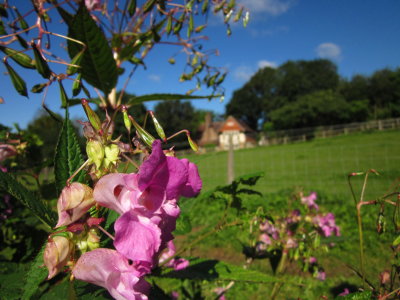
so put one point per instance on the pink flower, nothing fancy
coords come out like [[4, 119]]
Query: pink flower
[[345, 292], [312, 260], [111, 270], [56, 254], [93, 4], [265, 239], [176, 263], [75, 200], [320, 275], [327, 225], [309, 201]]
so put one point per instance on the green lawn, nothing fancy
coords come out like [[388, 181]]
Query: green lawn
[[321, 164]]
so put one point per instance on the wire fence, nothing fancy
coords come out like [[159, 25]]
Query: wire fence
[[322, 164]]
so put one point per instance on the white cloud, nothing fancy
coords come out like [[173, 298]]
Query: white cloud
[[265, 63], [243, 73], [272, 7], [329, 50], [154, 77]]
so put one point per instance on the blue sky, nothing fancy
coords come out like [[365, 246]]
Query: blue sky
[[360, 36]]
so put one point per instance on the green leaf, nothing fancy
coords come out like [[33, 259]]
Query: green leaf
[[22, 21], [366, 295], [10, 280], [11, 186], [152, 97], [132, 7], [63, 95], [148, 5], [22, 42], [250, 179], [183, 225], [18, 83], [98, 66], [35, 275], [68, 156], [203, 269], [38, 88], [41, 64]]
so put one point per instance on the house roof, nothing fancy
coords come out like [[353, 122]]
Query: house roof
[[231, 123]]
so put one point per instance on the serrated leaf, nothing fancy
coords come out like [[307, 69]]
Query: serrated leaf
[[35, 275], [11, 186], [249, 179], [18, 83], [68, 156], [203, 269], [152, 97], [98, 66]]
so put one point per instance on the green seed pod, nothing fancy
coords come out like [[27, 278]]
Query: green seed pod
[[146, 137], [192, 144], [20, 58], [159, 129], [18, 83], [92, 116], [127, 122], [168, 28], [238, 15]]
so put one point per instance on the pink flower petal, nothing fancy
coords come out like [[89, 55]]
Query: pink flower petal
[[111, 270], [194, 184], [111, 192], [136, 237]]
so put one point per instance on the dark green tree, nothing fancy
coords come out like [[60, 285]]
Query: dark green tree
[[177, 115]]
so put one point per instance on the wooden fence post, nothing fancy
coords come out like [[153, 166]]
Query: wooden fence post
[[230, 168]]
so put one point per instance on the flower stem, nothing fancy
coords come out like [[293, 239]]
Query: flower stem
[[279, 270]]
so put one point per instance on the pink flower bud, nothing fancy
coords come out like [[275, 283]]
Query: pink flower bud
[[57, 254], [74, 202], [7, 151]]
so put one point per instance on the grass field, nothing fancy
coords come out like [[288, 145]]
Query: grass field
[[321, 165]]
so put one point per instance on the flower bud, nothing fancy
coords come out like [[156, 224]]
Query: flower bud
[[74, 202], [57, 254], [93, 239], [95, 152], [384, 277], [112, 153]]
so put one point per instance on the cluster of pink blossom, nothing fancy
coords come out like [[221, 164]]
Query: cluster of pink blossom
[[147, 203], [297, 234]]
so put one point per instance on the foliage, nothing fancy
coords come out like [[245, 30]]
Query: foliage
[[309, 93]]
